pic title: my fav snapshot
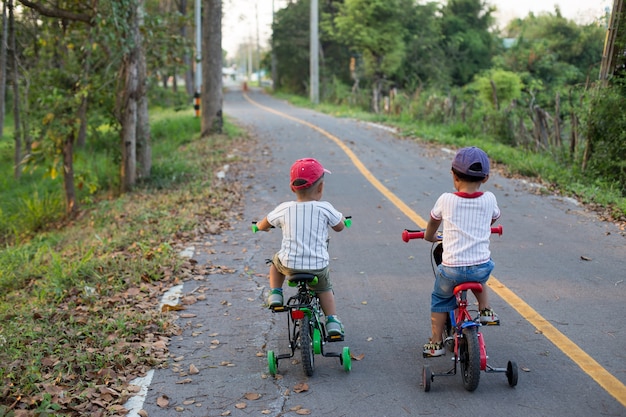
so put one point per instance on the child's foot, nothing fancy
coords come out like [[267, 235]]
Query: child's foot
[[275, 299], [489, 317], [432, 350], [334, 326]]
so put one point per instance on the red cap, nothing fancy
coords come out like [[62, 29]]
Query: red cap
[[304, 173]]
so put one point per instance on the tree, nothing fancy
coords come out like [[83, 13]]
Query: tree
[[425, 61], [3, 64], [467, 40], [370, 28], [133, 105], [212, 96]]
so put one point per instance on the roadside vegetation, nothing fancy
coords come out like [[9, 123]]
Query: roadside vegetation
[[597, 193], [79, 298]]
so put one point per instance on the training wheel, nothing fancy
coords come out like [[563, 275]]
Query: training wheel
[[346, 359], [427, 377], [511, 373], [317, 341], [272, 363]]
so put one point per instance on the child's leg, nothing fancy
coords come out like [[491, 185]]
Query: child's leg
[[437, 321], [276, 278], [482, 298], [327, 301]]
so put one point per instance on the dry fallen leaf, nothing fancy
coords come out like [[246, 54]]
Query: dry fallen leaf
[[303, 412], [301, 387], [169, 307], [357, 357], [585, 258], [241, 406], [252, 396], [163, 401], [185, 381], [193, 370], [142, 413], [225, 413]]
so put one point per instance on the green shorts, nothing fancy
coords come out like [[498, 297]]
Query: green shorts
[[323, 276]]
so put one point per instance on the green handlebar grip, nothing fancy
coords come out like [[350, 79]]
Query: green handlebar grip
[[255, 228], [348, 222]]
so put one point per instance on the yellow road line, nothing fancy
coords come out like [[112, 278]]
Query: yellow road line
[[589, 365]]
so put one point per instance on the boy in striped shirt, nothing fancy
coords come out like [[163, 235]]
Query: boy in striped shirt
[[304, 247], [467, 216]]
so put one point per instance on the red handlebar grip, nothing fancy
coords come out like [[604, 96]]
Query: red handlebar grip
[[408, 235], [497, 229]]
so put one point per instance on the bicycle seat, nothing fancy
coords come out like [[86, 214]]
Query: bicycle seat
[[303, 277], [474, 286]]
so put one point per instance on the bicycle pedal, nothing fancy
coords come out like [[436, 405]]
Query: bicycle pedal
[[278, 309], [335, 338]]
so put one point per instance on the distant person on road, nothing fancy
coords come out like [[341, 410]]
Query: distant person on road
[[304, 247], [467, 216]]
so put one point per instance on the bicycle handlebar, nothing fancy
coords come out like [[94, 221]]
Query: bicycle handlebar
[[419, 234], [347, 222]]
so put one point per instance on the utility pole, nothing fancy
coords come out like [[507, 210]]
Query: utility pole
[[314, 54], [258, 45], [274, 74]]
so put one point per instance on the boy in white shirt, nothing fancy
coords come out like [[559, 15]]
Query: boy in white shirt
[[304, 247], [467, 216]]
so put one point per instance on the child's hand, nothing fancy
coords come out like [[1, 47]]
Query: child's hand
[[347, 221]]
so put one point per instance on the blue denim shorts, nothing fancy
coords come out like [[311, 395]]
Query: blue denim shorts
[[443, 299]]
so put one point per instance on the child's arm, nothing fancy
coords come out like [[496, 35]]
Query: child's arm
[[264, 225], [431, 230], [340, 226]]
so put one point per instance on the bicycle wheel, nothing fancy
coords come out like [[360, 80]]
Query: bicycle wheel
[[511, 373], [469, 358], [306, 346], [272, 362], [346, 359], [427, 377]]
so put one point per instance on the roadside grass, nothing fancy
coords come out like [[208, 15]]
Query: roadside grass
[[543, 167], [79, 302]]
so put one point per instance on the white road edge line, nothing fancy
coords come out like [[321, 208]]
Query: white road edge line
[[171, 297]]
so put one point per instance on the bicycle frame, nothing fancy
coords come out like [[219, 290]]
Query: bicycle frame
[[306, 330]]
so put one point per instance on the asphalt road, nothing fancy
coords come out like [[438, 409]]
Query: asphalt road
[[558, 287]]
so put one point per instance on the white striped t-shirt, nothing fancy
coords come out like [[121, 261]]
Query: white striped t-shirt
[[467, 222], [305, 232]]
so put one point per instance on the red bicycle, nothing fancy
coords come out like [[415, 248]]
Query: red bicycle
[[464, 337]]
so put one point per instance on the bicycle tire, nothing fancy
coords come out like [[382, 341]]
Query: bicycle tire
[[469, 358], [306, 346]]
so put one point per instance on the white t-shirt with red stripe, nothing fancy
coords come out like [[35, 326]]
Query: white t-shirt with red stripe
[[305, 233], [467, 220]]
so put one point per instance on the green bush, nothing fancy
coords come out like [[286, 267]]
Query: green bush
[[606, 135]]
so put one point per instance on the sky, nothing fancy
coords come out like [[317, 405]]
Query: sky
[[240, 17]]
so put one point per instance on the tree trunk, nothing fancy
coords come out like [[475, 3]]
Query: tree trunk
[[3, 64], [143, 137], [17, 133], [128, 168], [182, 9], [71, 206], [557, 120], [212, 96]]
